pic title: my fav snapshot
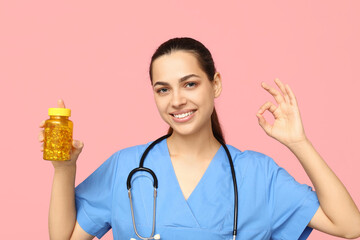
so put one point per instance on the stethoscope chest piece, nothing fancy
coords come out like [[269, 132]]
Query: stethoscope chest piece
[[157, 236]]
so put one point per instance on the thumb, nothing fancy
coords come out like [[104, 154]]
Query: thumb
[[61, 103]]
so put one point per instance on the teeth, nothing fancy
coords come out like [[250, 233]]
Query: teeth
[[183, 114]]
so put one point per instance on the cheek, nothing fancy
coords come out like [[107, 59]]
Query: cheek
[[161, 105], [206, 99]]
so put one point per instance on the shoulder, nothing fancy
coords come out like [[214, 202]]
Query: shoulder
[[131, 150], [129, 154], [248, 155], [251, 160]]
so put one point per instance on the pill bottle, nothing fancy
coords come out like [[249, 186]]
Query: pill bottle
[[58, 135]]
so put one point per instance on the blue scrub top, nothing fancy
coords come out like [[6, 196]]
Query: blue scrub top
[[272, 204]]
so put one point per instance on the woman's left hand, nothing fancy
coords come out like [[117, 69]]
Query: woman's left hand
[[287, 127]]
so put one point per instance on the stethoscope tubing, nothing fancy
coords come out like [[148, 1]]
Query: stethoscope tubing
[[235, 187], [155, 184], [141, 164]]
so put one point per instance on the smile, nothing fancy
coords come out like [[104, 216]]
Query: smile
[[183, 115]]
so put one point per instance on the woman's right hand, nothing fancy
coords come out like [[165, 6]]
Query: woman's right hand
[[76, 149]]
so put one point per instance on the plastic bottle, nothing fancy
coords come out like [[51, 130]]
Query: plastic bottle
[[58, 131]]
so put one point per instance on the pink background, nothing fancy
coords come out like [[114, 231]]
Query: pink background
[[95, 55]]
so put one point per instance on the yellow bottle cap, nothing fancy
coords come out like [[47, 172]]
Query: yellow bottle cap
[[59, 112]]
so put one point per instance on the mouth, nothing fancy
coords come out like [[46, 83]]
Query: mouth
[[183, 117]]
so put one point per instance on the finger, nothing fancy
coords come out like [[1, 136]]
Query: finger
[[267, 106], [77, 146], [61, 103], [42, 124], [263, 123], [278, 97], [291, 94], [42, 147], [283, 90], [41, 136]]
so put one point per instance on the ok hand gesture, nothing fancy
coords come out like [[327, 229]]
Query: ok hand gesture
[[287, 127]]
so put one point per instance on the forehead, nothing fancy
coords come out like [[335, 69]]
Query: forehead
[[175, 65]]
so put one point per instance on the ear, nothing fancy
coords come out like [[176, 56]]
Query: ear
[[217, 85]]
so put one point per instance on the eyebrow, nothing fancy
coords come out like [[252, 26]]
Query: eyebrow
[[180, 80]]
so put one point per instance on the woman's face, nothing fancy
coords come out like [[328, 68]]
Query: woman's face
[[183, 93]]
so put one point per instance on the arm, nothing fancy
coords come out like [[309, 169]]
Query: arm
[[337, 214], [62, 212]]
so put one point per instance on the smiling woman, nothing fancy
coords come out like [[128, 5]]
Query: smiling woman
[[198, 67], [193, 193], [184, 94]]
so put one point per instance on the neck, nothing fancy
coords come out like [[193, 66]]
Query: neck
[[196, 145]]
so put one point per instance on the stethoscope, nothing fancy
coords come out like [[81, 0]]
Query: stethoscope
[[142, 168]]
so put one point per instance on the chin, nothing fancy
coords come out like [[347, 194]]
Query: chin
[[185, 130], [180, 130]]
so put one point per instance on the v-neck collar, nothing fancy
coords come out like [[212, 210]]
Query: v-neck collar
[[208, 205], [173, 209], [174, 177]]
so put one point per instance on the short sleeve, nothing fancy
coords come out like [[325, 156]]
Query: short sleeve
[[93, 198], [292, 205]]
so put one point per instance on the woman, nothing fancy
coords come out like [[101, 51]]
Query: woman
[[195, 198]]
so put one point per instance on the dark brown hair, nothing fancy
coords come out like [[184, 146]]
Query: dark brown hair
[[206, 63]]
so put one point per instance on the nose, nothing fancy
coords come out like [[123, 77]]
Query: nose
[[178, 99]]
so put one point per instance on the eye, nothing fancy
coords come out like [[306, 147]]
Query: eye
[[191, 84], [161, 90]]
